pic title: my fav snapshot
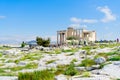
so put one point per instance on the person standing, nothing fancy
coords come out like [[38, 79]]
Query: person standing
[[117, 40]]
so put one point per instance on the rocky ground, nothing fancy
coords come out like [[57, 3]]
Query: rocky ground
[[100, 62]]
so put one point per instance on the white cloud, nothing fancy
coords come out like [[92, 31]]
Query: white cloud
[[89, 21], [75, 25], [78, 20], [78, 26], [75, 20], [2, 17], [109, 16], [80, 23]]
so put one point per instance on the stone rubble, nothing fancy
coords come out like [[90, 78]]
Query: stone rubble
[[108, 71]]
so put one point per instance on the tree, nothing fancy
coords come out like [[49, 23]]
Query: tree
[[23, 44], [43, 42], [46, 43], [39, 40]]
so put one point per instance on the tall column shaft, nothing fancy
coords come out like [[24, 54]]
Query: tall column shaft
[[57, 38], [60, 38]]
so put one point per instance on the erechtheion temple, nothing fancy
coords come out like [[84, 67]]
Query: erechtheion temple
[[79, 34]]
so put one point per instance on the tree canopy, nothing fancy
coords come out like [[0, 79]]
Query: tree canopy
[[23, 44], [43, 42]]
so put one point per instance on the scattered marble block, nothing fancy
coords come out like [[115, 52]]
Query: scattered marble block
[[80, 68], [100, 60], [8, 78]]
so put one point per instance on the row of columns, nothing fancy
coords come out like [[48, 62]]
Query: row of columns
[[61, 38], [78, 33]]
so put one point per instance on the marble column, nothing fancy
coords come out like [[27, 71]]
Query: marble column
[[57, 38], [60, 38]]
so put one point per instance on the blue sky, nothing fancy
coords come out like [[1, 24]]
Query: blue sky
[[25, 19]]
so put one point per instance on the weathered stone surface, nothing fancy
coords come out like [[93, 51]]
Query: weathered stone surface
[[9, 65], [112, 70], [80, 68], [11, 51], [65, 48], [116, 63], [100, 60], [8, 78], [89, 68], [60, 77], [99, 50], [22, 63], [95, 66], [94, 77]]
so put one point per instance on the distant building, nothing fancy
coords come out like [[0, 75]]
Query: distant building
[[79, 34]]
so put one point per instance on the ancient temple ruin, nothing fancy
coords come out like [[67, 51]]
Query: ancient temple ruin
[[79, 34]]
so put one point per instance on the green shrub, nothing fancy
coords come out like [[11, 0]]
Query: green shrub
[[74, 60], [23, 44], [0, 54], [31, 56], [28, 66], [86, 74], [86, 48], [87, 62], [16, 61], [59, 71], [1, 64], [70, 70], [57, 51], [71, 54], [112, 53], [37, 75], [101, 55], [114, 58], [51, 61], [31, 66], [43, 42], [16, 68], [2, 70], [70, 50]]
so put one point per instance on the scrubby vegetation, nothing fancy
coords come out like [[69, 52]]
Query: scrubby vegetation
[[70, 70], [51, 61], [86, 74], [114, 58], [70, 50], [37, 75], [87, 62], [43, 42]]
